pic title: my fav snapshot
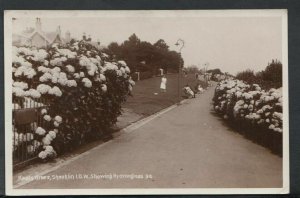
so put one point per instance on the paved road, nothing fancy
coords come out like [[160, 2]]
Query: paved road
[[187, 147]]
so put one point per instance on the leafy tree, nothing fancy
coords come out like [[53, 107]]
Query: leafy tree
[[161, 44], [215, 71], [143, 56], [247, 76], [271, 77], [192, 69], [273, 72]]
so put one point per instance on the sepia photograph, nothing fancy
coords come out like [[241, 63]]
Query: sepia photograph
[[146, 102]]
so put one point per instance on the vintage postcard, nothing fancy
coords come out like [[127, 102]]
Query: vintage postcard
[[146, 102]]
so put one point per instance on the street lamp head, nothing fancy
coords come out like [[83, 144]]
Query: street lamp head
[[178, 43]]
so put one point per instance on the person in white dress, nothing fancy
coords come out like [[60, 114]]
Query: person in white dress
[[163, 84]]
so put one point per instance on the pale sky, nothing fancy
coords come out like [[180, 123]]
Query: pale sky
[[230, 43]]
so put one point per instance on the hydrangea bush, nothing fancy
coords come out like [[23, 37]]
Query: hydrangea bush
[[82, 89], [249, 107]]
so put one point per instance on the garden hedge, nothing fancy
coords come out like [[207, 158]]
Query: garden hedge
[[82, 87], [252, 111]]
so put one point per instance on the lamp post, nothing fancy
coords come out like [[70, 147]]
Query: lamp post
[[205, 72], [180, 43]]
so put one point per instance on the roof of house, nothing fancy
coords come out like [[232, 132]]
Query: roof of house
[[48, 37], [52, 35]]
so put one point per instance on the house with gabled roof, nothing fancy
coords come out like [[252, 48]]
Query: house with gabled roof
[[38, 38]]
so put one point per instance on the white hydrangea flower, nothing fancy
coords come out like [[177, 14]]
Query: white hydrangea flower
[[25, 51], [81, 74], [70, 68], [19, 71], [130, 88], [67, 53], [18, 92], [58, 119], [127, 70], [43, 88], [42, 155], [123, 63], [71, 83], [21, 85], [44, 111], [47, 118], [105, 55], [110, 66], [55, 91], [98, 58], [271, 126], [264, 108], [102, 77], [76, 76], [119, 73], [43, 79], [250, 107], [46, 140], [52, 134], [43, 69], [48, 149], [63, 75], [278, 130], [91, 72], [87, 82], [40, 131], [39, 55], [34, 93], [46, 62], [55, 70], [27, 93], [278, 115], [84, 61], [56, 124], [46, 76], [58, 61], [122, 70], [131, 82], [30, 73], [104, 88], [94, 61], [62, 81]]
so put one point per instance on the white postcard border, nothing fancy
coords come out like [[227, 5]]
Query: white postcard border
[[9, 14]]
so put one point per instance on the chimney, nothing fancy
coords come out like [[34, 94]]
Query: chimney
[[90, 38], [58, 31], [38, 25], [68, 37]]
